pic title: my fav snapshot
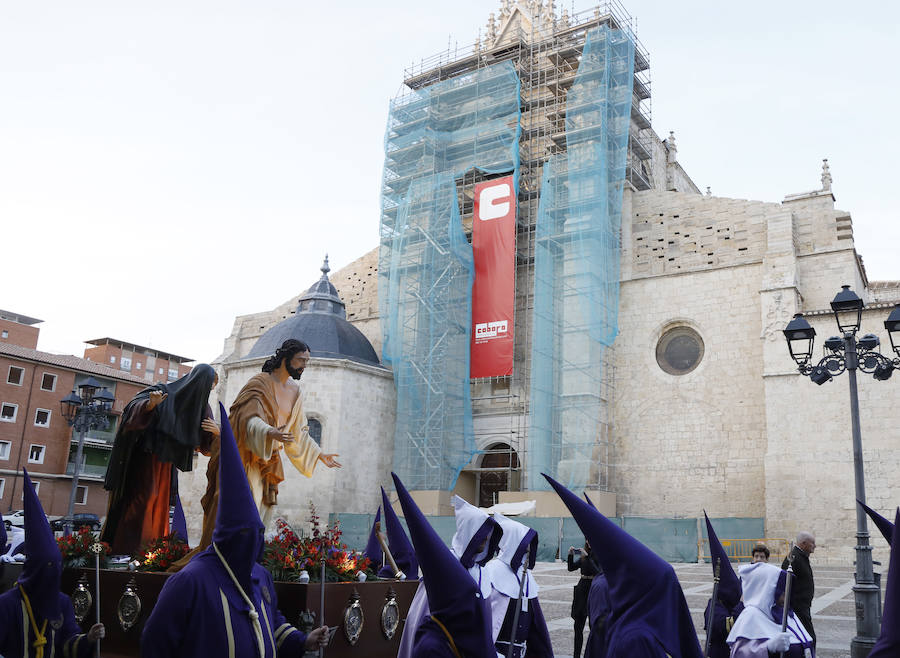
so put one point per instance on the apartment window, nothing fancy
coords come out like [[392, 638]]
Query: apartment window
[[160, 371], [48, 382], [36, 454], [81, 495], [112, 359], [125, 363], [15, 376], [4, 334], [42, 418], [4, 449], [173, 373], [8, 412], [137, 366], [2, 486]]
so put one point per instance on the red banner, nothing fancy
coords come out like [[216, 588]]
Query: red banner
[[494, 290]]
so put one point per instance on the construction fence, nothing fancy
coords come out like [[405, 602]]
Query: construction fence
[[674, 540]]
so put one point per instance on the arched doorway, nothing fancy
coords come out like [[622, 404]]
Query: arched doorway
[[499, 471]]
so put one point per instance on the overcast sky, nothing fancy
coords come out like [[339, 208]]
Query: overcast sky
[[166, 166]]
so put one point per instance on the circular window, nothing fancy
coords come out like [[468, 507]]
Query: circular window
[[679, 350]]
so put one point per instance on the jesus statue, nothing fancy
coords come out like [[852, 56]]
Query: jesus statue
[[267, 417]]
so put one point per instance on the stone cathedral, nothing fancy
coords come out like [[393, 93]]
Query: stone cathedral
[[699, 405]]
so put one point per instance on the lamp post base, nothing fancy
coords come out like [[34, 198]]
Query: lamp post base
[[860, 647]]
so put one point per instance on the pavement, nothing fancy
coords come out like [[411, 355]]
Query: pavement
[[832, 610]]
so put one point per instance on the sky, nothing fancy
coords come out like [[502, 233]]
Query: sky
[[167, 166]]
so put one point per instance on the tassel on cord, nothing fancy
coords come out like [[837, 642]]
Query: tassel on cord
[[41, 640], [253, 614]]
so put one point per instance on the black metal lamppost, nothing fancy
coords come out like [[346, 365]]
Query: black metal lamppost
[[846, 353], [84, 411]]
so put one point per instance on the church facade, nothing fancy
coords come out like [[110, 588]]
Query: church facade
[[700, 405]]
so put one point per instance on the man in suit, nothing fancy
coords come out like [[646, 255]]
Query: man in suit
[[803, 588]]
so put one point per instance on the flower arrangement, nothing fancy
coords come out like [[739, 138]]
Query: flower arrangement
[[76, 549], [162, 552], [287, 555]]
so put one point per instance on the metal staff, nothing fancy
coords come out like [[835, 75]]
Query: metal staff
[[322, 601], [398, 574], [96, 549], [787, 593], [717, 572], [515, 624]]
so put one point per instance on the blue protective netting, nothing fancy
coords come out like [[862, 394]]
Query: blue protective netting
[[576, 279], [425, 266]]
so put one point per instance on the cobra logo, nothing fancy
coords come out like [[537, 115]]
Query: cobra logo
[[496, 329], [494, 201]]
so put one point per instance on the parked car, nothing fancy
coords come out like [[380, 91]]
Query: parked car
[[80, 520], [15, 518]]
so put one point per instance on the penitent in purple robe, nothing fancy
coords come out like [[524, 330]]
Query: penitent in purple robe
[[649, 615], [223, 603], [200, 613], [598, 611], [459, 622], [39, 580], [66, 640]]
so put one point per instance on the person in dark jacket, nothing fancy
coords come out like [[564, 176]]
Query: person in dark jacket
[[588, 566], [803, 587]]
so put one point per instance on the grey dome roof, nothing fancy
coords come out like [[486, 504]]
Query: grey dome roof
[[320, 321]]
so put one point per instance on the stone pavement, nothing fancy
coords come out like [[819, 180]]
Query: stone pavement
[[832, 609]]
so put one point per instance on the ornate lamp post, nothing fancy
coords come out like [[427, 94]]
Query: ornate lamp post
[[84, 411], [847, 354]]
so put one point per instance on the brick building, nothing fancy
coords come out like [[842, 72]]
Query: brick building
[[33, 433], [18, 329], [145, 363]]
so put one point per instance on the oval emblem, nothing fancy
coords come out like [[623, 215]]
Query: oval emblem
[[129, 608], [353, 619], [82, 600], [390, 615]]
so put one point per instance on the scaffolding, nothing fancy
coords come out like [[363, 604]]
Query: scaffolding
[[545, 57], [435, 136], [576, 279]]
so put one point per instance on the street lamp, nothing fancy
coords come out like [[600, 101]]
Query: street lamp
[[84, 411], [845, 353]]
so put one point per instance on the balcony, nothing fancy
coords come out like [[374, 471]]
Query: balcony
[[95, 439], [88, 472]]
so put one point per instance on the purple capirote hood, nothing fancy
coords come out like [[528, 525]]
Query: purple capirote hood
[[888, 645], [453, 597], [729, 592], [644, 592], [43, 562]]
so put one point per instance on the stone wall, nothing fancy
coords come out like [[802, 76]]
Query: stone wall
[[683, 443], [743, 434], [357, 285]]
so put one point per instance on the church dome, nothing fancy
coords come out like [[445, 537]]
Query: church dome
[[321, 322]]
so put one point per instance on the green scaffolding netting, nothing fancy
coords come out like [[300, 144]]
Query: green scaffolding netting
[[425, 266], [576, 279]]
